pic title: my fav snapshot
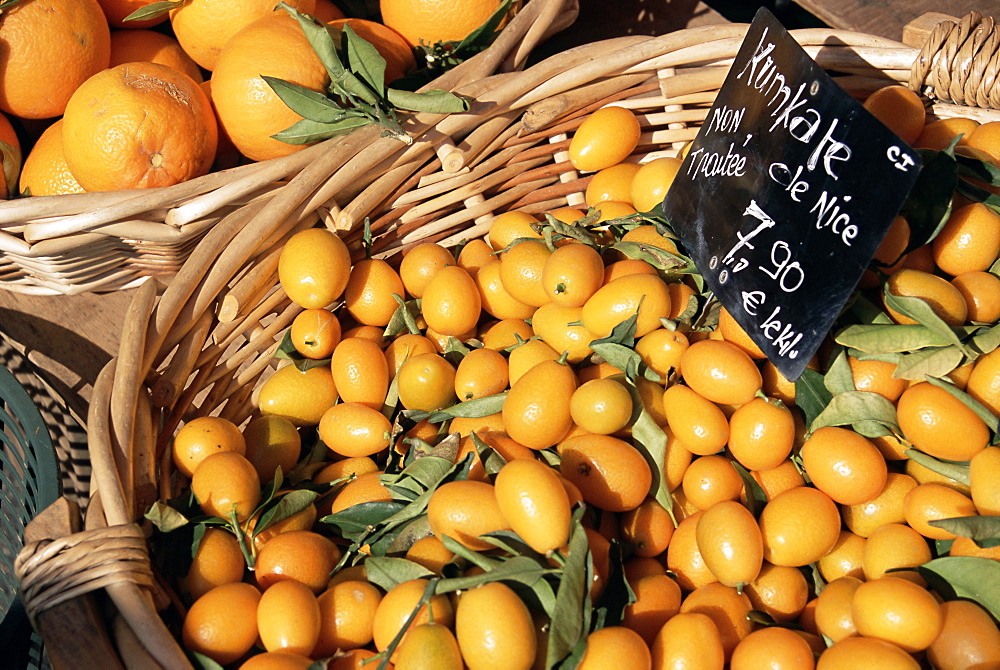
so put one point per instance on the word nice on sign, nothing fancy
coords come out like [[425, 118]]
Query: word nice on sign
[[786, 194]]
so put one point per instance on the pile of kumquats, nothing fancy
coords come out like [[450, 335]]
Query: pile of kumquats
[[551, 448]]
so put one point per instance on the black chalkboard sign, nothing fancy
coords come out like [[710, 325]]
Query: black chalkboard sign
[[786, 194]]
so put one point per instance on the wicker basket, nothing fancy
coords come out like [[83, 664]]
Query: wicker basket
[[105, 241], [206, 343]]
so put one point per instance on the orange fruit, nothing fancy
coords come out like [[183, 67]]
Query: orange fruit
[[495, 299], [684, 558], [605, 138], [610, 473], [876, 376], [429, 646], [572, 274], [364, 488], [300, 555], [657, 600], [521, 268], [780, 591], [696, 422], [431, 21], [211, 629], [504, 333], [400, 604], [482, 372], [358, 465], [688, 640], [900, 109], [628, 266], [304, 519], [314, 267], [733, 332], [886, 507], [843, 464], [371, 286], [277, 660], [499, 442], [392, 46], [45, 171], [315, 333], [964, 546], [138, 125], [354, 429], [465, 510], [730, 542], [68, 41], [326, 11], [981, 291], [420, 264], [617, 301], [403, 347], [650, 183], [536, 412], [845, 559], [130, 46], [494, 628], [938, 423], [559, 327], [272, 442], [226, 481], [662, 349], [861, 652], [509, 226], [709, 480], [726, 607], [944, 299], [968, 639], [780, 478], [984, 138], [360, 372], [534, 503], [248, 109], [430, 552], [218, 560], [761, 434], [347, 612], [288, 618], [889, 255], [612, 184], [721, 372], [929, 502], [647, 529], [773, 648], [984, 468], [834, 617], [799, 526], [897, 611], [202, 436], [117, 11], [601, 406], [984, 381], [203, 27], [894, 546], [613, 645], [451, 303], [301, 397], [969, 240], [938, 133]]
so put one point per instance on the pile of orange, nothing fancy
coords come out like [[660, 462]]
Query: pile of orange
[[545, 449], [104, 118]]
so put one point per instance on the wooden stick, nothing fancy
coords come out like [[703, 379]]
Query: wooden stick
[[263, 271], [169, 385]]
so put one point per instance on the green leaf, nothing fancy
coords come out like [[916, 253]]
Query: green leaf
[[204, 662], [386, 571], [150, 11], [469, 409], [651, 441], [756, 497], [660, 259], [987, 339], [983, 530], [320, 39], [811, 394], [519, 569], [921, 312], [408, 534], [165, 517], [483, 36], [428, 471], [433, 101], [286, 350], [487, 563], [624, 358], [839, 378], [355, 521], [890, 338], [977, 579], [617, 593], [869, 413], [928, 205], [977, 169], [288, 505], [953, 470], [570, 617], [988, 417], [364, 60], [936, 362], [307, 103], [308, 132], [404, 318]]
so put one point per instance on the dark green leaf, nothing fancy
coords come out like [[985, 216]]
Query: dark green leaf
[[957, 471], [428, 471], [811, 395], [483, 36], [308, 132], [570, 617], [364, 60], [974, 168], [977, 579], [289, 504], [320, 39], [487, 563], [617, 593], [519, 569], [624, 358], [386, 572], [756, 497], [307, 103], [510, 542], [434, 101], [488, 456], [976, 194], [150, 11], [415, 530], [355, 521], [928, 205], [204, 662], [165, 517], [984, 530], [761, 618]]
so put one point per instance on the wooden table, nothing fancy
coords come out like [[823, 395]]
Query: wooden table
[[886, 18]]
